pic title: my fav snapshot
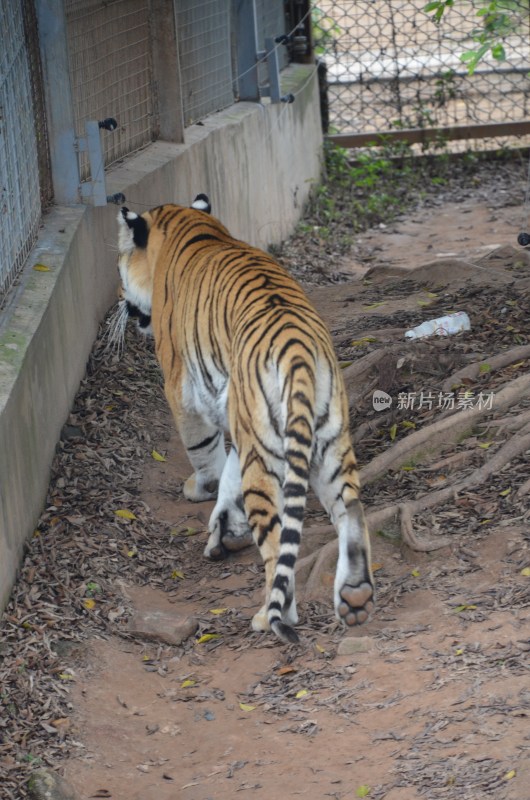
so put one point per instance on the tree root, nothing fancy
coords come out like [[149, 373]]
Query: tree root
[[513, 422], [311, 568], [357, 373], [523, 489], [496, 362], [510, 450], [443, 432]]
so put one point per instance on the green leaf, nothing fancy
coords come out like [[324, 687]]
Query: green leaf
[[498, 52], [363, 791], [393, 432]]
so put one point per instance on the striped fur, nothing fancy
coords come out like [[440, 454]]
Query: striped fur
[[243, 351]]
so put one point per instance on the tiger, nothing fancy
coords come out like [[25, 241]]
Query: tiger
[[245, 355]]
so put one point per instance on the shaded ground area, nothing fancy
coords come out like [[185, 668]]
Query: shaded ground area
[[430, 699]]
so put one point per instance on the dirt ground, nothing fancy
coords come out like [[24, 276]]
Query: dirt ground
[[429, 699]]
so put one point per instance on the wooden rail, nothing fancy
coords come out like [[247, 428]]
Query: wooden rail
[[427, 135]]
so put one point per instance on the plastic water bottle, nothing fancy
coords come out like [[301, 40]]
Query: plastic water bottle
[[442, 326]]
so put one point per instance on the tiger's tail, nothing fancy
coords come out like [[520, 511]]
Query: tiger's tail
[[298, 450]]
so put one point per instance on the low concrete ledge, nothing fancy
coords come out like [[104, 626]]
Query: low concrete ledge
[[256, 162]]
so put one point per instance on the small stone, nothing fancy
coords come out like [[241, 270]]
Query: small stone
[[355, 644], [162, 627], [46, 785]]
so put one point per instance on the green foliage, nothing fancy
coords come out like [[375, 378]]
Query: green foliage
[[325, 31], [438, 7], [498, 18], [372, 186]]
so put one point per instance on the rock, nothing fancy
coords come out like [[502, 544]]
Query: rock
[[355, 644], [46, 785], [162, 627]]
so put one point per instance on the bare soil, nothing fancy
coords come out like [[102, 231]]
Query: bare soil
[[429, 699]]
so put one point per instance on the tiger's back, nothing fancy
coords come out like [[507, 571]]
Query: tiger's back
[[243, 350]]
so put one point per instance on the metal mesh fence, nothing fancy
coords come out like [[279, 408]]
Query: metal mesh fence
[[39, 111], [203, 32], [110, 71], [390, 66], [20, 206], [110, 46]]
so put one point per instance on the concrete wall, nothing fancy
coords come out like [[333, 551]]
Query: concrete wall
[[256, 162]]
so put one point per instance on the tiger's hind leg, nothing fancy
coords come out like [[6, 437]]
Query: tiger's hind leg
[[263, 505], [336, 484], [228, 526], [205, 448]]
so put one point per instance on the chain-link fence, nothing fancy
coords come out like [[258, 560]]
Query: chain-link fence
[[117, 59], [390, 66]]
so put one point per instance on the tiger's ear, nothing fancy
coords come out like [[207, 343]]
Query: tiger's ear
[[202, 203], [136, 227]]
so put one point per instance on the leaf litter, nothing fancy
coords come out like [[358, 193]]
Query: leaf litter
[[96, 531]]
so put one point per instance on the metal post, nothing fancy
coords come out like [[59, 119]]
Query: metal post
[[247, 47], [273, 69], [166, 70], [59, 107]]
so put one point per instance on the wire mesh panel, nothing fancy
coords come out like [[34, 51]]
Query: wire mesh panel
[[391, 66], [204, 39], [110, 71], [20, 206]]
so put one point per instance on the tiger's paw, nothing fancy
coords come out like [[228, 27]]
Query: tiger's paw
[[354, 603], [229, 532], [260, 621], [198, 492]]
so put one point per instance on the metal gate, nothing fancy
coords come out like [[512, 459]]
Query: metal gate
[[391, 68]]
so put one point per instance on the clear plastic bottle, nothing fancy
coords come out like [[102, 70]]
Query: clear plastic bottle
[[442, 326]]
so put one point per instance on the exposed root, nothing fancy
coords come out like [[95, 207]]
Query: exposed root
[[312, 568], [411, 540], [524, 489], [513, 422], [494, 363], [445, 431]]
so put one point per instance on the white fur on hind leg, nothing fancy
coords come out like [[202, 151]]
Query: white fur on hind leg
[[228, 512]]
